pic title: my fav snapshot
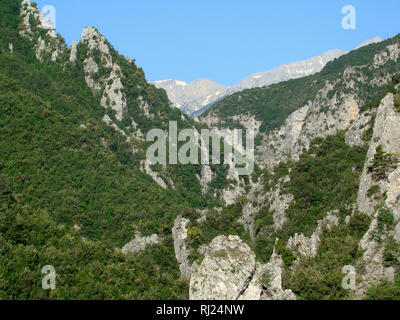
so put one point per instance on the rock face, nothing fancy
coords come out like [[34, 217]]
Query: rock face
[[335, 107], [99, 56], [140, 243], [145, 167], [179, 234], [225, 272], [47, 44], [308, 123], [386, 134], [279, 204], [276, 202], [74, 48], [307, 247], [229, 272], [195, 97]]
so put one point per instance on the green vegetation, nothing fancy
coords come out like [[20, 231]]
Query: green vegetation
[[59, 174], [216, 224], [397, 102], [383, 164], [321, 278], [72, 195], [29, 240], [274, 103], [373, 190], [313, 183], [385, 219], [385, 290]]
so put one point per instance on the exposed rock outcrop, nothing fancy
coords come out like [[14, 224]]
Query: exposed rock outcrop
[[387, 135], [308, 246], [179, 234], [74, 49], [279, 204], [321, 117], [335, 107], [140, 243], [276, 202], [145, 167], [47, 44], [229, 271], [109, 81]]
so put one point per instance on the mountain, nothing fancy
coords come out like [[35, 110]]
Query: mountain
[[200, 94], [191, 97], [337, 125], [77, 192], [196, 97], [290, 71], [76, 189], [371, 41]]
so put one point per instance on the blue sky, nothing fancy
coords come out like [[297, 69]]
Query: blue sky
[[223, 40]]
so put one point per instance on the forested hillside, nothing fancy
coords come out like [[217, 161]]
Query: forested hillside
[[56, 173], [77, 193]]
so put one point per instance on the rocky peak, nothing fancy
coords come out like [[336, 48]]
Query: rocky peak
[[94, 40], [101, 73], [48, 45]]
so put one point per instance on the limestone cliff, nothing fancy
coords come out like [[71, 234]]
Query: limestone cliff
[[229, 271]]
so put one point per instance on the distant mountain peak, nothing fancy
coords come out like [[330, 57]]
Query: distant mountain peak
[[371, 41], [197, 95]]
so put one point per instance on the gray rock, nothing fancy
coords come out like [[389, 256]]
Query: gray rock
[[140, 243], [74, 48], [386, 134], [179, 234], [229, 271], [308, 246]]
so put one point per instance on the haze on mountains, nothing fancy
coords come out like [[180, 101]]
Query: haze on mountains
[[78, 193]]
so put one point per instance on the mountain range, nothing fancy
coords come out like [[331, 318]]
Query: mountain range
[[78, 194], [195, 97]]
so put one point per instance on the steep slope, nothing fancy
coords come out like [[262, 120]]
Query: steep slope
[[289, 115], [308, 227], [72, 188], [345, 133], [76, 191]]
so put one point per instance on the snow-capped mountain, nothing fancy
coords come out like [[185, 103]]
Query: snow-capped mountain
[[193, 96], [197, 96], [290, 71]]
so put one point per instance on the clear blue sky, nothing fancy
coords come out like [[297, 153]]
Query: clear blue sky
[[223, 40]]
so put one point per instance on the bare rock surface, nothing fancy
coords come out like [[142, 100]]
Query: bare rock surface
[[229, 271]]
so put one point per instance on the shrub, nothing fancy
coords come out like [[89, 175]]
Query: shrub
[[397, 102], [385, 219]]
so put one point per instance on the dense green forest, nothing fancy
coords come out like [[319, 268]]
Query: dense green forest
[[55, 175]]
